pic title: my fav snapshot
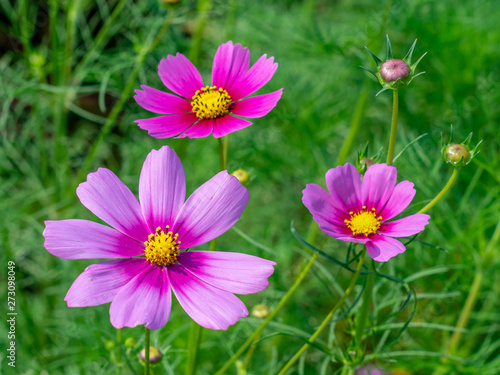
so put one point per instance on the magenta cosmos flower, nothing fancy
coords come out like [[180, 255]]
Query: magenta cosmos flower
[[147, 238], [357, 209], [201, 110]]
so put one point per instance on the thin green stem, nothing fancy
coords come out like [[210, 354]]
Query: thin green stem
[[146, 351], [328, 317], [193, 349], [119, 351], [362, 317], [257, 332], [222, 164], [203, 7], [441, 194], [394, 128], [226, 146]]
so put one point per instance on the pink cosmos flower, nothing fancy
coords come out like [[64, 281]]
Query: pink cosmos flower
[[147, 239], [201, 110], [357, 211]]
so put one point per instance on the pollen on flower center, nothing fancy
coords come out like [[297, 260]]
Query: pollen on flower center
[[364, 222], [211, 102], [162, 248]]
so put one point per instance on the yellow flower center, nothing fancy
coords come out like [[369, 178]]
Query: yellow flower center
[[364, 222], [162, 248], [211, 102]]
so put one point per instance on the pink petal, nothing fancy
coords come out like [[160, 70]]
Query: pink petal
[[167, 126], [228, 124], [82, 239], [145, 300], [160, 102], [382, 248], [208, 306], [400, 199], [344, 185], [232, 272], [211, 210], [329, 216], [407, 226], [180, 75], [257, 106], [162, 188], [258, 75], [230, 63], [101, 282], [110, 200], [201, 129], [378, 184]]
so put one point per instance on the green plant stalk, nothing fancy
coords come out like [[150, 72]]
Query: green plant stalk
[[146, 351], [117, 108], [328, 317], [362, 317], [119, 351], [203, 8], [394, 128], [441, 194], [257, 332], [193, 348]]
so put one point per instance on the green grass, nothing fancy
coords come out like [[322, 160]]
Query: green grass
[[61, 76]]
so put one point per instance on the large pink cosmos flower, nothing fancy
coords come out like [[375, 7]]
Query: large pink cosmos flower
[[148, 238], [357, 211], [200, 110]]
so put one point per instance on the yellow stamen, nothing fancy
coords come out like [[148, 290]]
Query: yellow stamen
[[162, 248], [364, 222], [211, 102]]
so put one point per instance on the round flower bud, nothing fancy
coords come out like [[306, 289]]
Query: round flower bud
[[154, 354], [366, 162], [109, 345], [260, 311], [130, 342], [394, 69], [456, 153], [242, 176]]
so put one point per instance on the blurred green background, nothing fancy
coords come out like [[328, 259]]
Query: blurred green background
[[68, 70]]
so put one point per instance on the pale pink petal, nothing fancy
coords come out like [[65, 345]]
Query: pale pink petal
[[325, 210], [382, 248], [230, 63], [400, 199], [232, 272], [228, 124], [82, 239], [160, 102], [211, 210], [101, 282], [208, 306], [201, 129], [144, 300], [162, 188], [378, 184], [180, 75], [407, 226], [258, 75], [257, 106], [167, 126], [344, 185], [110, 200]]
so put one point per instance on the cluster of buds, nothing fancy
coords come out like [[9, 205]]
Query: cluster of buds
[[458, 154], [363, 161], [395, 73]]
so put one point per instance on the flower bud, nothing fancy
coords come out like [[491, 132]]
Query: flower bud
[[109, 345], [130, 342], [242, 176], [364, 161], [154, 354], [458, 154], [260, 311], [395, 73]]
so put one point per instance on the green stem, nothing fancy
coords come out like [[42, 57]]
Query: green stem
[[362, 316], [193, 349], [113, 116], [257, 332], [203, 7], [328, 317], [441, 194], [146, 351], [119, 351], [394, 128], [222, 163]]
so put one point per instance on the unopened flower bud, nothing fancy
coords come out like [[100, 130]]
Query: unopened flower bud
[[154, 354], [130, 342], [109, 345], [260, 311], [394, 69], [242, 176], [366, 162], [363, 161], [456, 153]]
